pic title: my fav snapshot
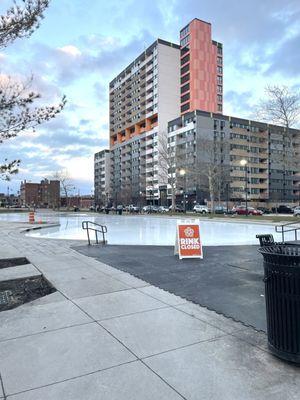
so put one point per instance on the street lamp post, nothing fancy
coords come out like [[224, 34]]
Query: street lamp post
[[182, 172], [227, 196], [244, 163]]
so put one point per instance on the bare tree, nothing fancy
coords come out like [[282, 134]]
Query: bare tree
[[168, 164], [20, 22], [282, 107], [126, 194], [66, 185], [8, 168], [18, 103], [211, 170]]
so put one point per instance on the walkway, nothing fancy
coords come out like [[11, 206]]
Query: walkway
[[108, 335]]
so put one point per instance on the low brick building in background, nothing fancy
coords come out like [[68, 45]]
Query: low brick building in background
[[85, 201], [45, 194], [9, 200]]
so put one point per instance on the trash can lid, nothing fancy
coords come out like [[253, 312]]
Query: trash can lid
[[283, 254]]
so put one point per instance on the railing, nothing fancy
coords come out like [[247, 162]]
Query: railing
[[97, 228], [289, 227]]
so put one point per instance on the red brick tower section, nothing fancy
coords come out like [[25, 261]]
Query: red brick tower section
[[201, 69]]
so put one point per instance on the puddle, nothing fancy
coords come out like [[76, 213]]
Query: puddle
[[16, 292]]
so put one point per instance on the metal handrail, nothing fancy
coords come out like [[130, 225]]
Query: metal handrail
[[102, 229], [282, 229]]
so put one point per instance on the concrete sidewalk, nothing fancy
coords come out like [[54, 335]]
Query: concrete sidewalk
[[108, 335]]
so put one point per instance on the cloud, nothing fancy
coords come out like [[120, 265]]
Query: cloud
[[239, 102], [261, 46], [286, 59]]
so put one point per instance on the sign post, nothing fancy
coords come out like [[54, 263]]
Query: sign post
[[188, 241]]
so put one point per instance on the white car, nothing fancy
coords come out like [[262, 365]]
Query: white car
[[162, 209], [297, 211], [201, 209]]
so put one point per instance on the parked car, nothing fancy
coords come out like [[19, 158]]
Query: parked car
[[242, 210], [202, 209], [297, 211], [283, 209], [132, 208], [178, 208], [220, 210], [254, 211], [264, 210], [150, 209], [163, 209]]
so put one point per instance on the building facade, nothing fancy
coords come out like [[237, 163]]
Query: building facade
[[201, 73], [143, 98], [81, 202], [9, 200], [173, 94], [45, 194], [164, 81], [102, 177], [240, 156]]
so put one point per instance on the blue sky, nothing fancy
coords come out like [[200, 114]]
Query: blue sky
[[82, 45]]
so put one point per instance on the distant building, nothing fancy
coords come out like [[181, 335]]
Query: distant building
[[9, 200], [85, 201], [45, 194], [271, 170], [102, 176]]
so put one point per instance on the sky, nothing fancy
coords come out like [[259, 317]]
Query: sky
[[82, 45]]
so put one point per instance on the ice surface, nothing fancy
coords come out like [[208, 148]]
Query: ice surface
[[154, 230]]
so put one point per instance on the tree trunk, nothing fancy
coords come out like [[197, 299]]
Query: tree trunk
[[173, 198]]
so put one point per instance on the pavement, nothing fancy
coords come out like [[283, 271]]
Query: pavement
[[106, 334], [228, 280]]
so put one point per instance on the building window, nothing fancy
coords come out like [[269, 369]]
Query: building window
[[220, 50], [183, 51], [219, 70], [220, 98], [219, 89], [185, 41], [219, 60], [185, 107], [185, 69], [185, 98], [184, 31], [185, 78], [219, 80], [185, 88], [220, 107], [185, 59]]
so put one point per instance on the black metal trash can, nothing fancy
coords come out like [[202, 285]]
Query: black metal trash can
[[282, 294]]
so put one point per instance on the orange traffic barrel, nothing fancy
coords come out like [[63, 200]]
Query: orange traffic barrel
[[31, 217]]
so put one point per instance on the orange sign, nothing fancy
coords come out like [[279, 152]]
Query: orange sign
[[188, 240]]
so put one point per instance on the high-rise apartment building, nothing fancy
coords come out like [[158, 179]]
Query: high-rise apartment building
[[174, 93], [163, 81], [102, 176], [143, 98], [201, 73]]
